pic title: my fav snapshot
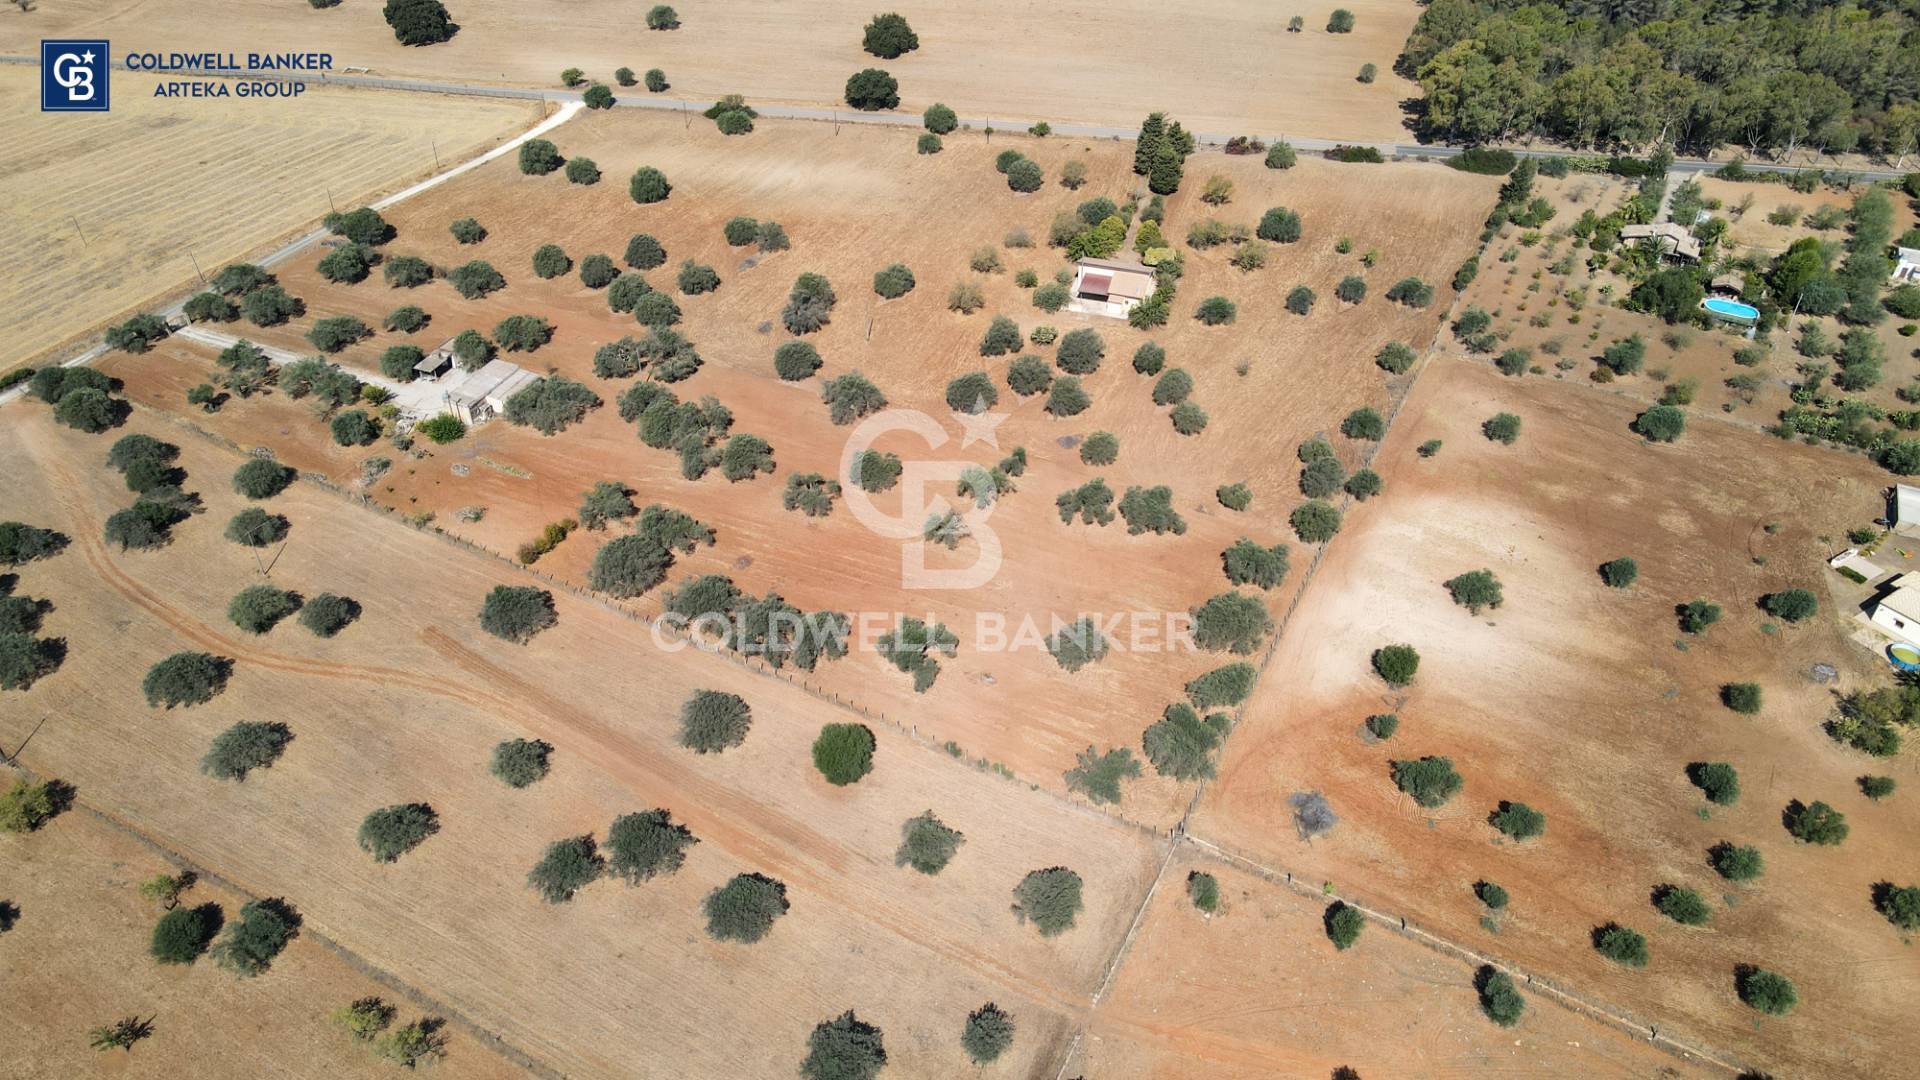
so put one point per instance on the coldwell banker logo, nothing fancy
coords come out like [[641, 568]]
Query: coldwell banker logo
[[73, 76]]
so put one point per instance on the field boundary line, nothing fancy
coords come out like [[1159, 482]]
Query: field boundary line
[[718, 651], [1566, 998], [426, 1002]]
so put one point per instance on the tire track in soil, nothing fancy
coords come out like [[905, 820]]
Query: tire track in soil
[[772, 850]]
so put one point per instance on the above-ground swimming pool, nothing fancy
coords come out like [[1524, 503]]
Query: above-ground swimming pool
[[1904, 656], [1731, 309]]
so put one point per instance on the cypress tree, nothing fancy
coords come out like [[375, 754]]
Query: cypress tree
[[1164, 179], [1153, 134]]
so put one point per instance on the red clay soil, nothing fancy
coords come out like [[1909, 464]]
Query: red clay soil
[[406, 705], [852, 204], [1588, 703]]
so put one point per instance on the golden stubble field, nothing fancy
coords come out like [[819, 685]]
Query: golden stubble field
[[77, 959], [1225, 67], [1578, 700], [854, 203], [100, 213], [406, 704]]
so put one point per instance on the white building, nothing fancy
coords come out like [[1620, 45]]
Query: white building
[[1109, 287], [1906, 510], [1908, 268], [1897, 610], [483, 394]]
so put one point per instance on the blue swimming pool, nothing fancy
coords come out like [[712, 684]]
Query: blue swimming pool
[[1731, 309]]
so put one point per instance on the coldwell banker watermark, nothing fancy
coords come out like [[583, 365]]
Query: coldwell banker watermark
[[225, 74], [73, 76], [927, 519]]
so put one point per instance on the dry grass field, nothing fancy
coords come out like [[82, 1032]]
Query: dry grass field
[[1587, 703], [1240, 71], [88, 237], [863, 200], [77, 959], [406, 705], [1258, 991]]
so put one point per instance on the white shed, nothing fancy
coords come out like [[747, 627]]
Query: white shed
[[1906, 510], [1897, 611], [1908, 267], [1109, 287], [483, 394]]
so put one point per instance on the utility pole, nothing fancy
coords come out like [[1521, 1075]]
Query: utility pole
[[436, 154], [78, 229], [196, 266]]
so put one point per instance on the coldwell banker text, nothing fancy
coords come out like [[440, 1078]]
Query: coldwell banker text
[[227, 72]]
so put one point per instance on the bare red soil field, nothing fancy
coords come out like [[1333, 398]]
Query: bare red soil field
[[1587, 703], [854, 203], [406, 705]]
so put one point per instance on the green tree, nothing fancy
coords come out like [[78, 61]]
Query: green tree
[[888, 36], [392, 831], [1430, 780], [1475, 590], [927, 844], [258, 608], [1203, 890], [538, 157], [181, 935], [844, 1048], [567, 867], [1661, 423], [1741, 697], [516, 613], [186, 678], [520, 762], [419, 22], [1736, 863], [1767, 991], [843, 753], [871, 90], [29, 804], [1620, 573], [745, 908], [1518, 820], [1050, 899], [1498, 998], [987, 1034], [1098, 776], [1181, 744], [1717, 780], [1343, 924], [1792, 605], [1315, 522], [244, 747], [1621, 945], [1503, 428], [1682, 905], [646, 845], [1815, 823], [648, 185], [712, 721]]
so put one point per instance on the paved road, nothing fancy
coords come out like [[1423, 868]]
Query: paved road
[[638, 99], [571, 104]]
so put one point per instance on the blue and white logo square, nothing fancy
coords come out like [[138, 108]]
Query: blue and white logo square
[[73, 76]]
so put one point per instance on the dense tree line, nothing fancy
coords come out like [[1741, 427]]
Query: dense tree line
[[1773, 75]]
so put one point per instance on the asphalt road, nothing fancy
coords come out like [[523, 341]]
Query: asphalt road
[[642, 100], [634, 98]]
